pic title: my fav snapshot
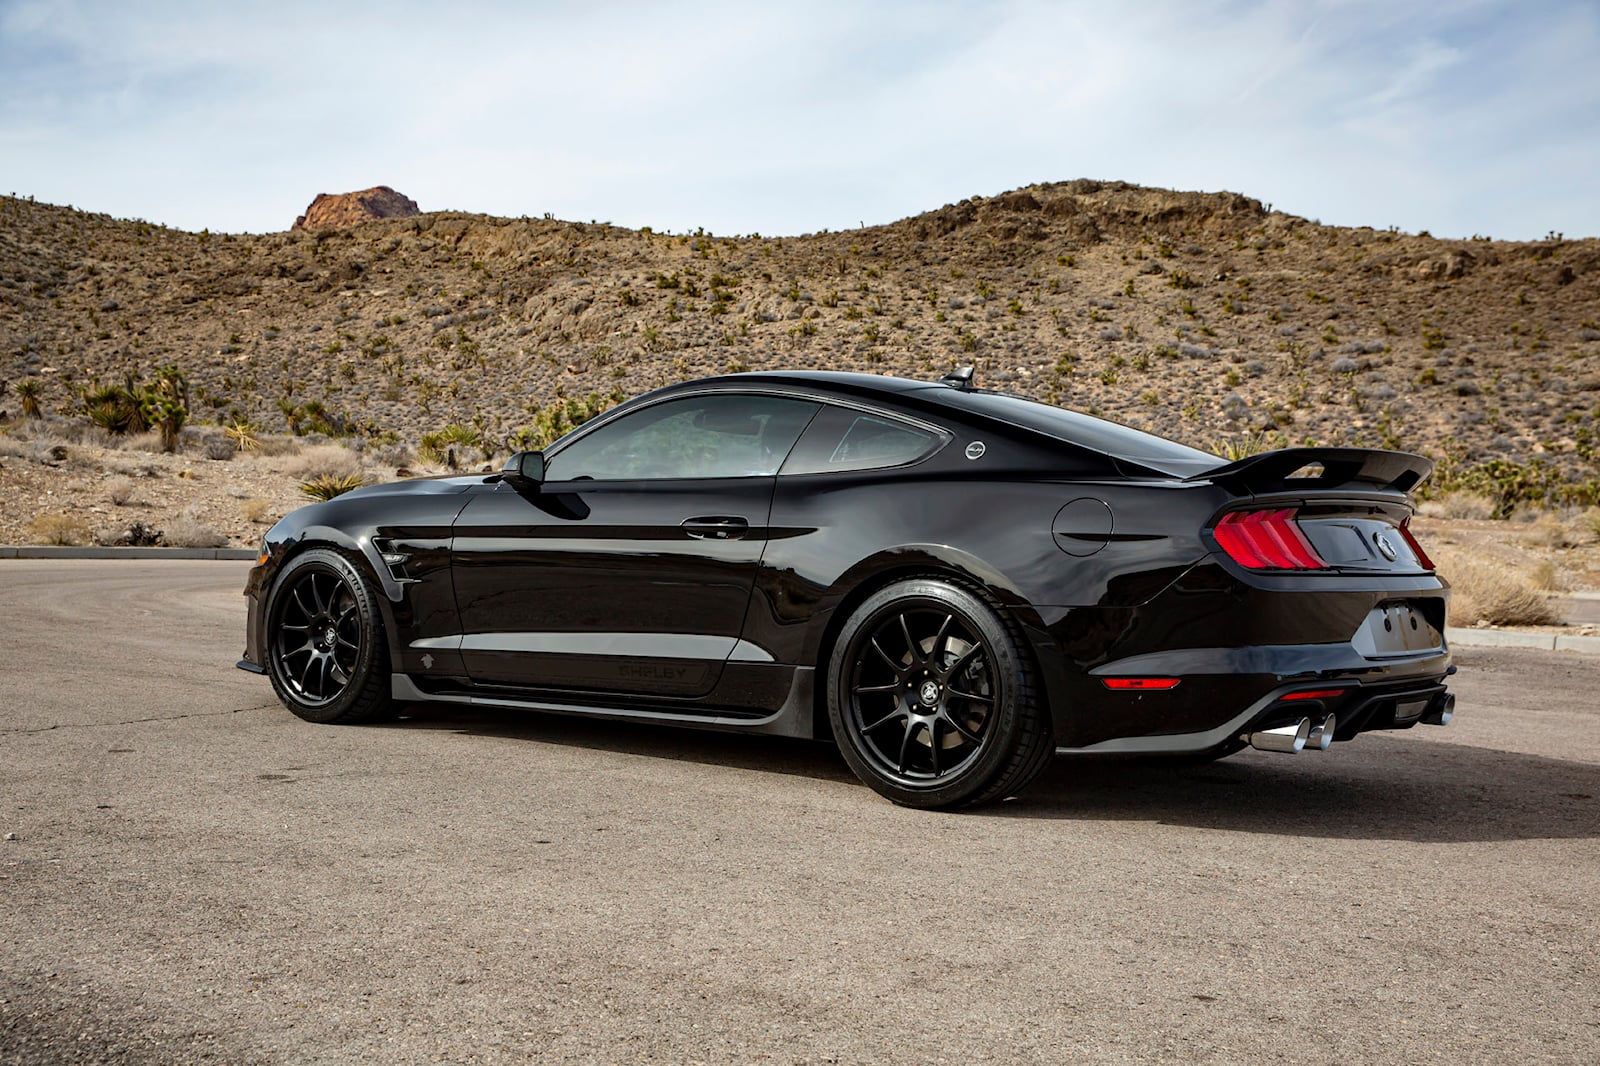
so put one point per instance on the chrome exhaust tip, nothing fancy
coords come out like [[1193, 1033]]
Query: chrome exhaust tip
[[1441, 710], [1285, 738], [1321, 734]]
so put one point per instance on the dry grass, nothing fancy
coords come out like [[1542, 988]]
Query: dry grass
[[277, 444], [60, 529], [120, 490], [316, 461], [1484, 591], [257, 510], [148, 441], [186, 531], [1459, 504]]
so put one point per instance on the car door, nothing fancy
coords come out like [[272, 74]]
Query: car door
[[630, 569]]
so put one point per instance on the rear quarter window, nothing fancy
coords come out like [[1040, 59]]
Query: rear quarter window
[[841, 439]]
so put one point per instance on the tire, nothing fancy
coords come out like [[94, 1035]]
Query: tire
[[933, 697], [327, 654]]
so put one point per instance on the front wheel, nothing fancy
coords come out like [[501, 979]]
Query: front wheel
[[326, 652], [934, 698]]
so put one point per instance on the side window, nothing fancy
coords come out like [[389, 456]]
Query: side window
[[841, 439], [721, 435]]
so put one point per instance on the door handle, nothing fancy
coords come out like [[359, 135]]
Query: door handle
[[716, 527]]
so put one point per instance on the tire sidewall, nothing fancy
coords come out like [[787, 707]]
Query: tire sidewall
[[372, 634], [1001, 736]]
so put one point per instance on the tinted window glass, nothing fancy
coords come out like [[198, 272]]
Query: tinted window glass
[[723, 435], [842, 439], [1084, 430]]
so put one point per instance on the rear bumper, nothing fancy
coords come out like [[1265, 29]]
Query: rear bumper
[[1235, 648], [1359, 708]]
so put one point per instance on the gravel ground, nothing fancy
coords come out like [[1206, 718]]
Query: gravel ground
[[189, 874]]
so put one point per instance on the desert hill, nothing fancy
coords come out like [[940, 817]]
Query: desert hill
[[1200, 316]]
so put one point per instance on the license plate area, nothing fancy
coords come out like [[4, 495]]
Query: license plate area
[[1396, 629]]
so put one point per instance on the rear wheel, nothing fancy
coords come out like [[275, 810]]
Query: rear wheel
[[326, 651], [933, 697]]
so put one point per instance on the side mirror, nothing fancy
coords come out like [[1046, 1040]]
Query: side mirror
[[525, 470]]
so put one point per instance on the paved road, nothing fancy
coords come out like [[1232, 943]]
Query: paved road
[[197, 876]]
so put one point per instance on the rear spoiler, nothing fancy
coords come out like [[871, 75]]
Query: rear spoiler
[[1322, 469]]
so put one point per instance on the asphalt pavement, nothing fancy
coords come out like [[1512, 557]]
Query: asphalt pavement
[[189, 874]]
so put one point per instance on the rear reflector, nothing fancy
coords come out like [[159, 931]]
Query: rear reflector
[[1314, 694], [1123, 683], [1267, 540], [1416, 549]]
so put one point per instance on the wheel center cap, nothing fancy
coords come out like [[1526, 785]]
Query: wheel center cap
[[929, 693], [330, 636]]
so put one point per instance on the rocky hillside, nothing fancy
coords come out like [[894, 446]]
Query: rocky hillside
[[1201, 316]]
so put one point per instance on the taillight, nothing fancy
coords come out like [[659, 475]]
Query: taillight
[[1267, 540], [1416, 549]]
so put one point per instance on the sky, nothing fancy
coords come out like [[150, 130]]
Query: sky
[[1465, 118]]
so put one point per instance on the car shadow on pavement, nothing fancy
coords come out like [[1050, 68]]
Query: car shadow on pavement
[[781, 755], [1375, 788]]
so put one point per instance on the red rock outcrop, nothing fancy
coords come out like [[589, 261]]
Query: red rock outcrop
[[337, 210]]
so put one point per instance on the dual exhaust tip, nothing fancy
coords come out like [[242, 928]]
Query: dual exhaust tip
[[1296, 736], [1316, 734]]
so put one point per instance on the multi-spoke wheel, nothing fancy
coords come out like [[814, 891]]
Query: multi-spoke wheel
[[931, 695], [325, 644]]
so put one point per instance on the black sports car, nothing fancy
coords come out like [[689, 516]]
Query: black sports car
[[955, 583]]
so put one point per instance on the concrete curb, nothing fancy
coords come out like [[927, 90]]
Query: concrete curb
[[31, 551], [1516, 638]]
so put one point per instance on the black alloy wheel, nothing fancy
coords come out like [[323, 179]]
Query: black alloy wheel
[[933, 698], [325, 644]]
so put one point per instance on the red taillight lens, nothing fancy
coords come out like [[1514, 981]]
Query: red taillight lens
[[1313, 694], [1123, 684], [1416, 549], [1267, 540]]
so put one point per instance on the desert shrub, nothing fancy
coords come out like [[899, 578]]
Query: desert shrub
[[147, 441], [319, 460], [1239, 447], [440, 447], [391, 454], [560, 418], [276, 444], [59, 529], [243, 436], [1460, 504], [219, 448], [1510, 484], [327, 486], [186, 531], [1548, 531], [256, 510], [1544, 575], [28, 391], [119, 490], [1485, 591]]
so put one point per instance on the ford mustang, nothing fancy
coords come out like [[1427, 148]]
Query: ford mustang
[[954, 584]]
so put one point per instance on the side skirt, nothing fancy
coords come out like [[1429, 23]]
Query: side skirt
[[792, 719]]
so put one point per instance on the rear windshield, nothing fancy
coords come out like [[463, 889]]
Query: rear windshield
[[1120, 442]]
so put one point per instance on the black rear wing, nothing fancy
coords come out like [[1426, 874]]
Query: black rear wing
[[1322, 470]]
